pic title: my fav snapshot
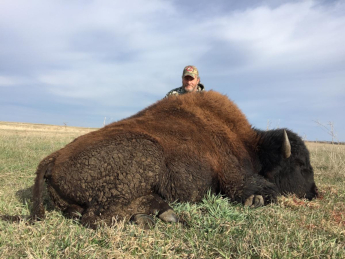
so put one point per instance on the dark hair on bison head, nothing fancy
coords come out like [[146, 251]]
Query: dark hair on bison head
[[293, 174]]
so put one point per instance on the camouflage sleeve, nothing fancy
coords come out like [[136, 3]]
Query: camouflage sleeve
[[175, 91], [201, 87]]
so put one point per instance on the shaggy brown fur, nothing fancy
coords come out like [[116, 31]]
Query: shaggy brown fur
[[176, 149]]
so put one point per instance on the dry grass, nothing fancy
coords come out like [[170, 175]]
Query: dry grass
[[292, 228], [41, 128]]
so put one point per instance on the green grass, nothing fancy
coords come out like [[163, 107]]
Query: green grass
[[214, 228]]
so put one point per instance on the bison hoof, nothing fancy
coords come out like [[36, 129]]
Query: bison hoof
[[168, 216], [144, 221], [254, 201]]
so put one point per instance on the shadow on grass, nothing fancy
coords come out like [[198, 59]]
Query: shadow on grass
[[14, 219], [25, 197]]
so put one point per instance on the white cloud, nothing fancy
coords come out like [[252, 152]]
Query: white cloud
[[7, 81], [153, 34], [299, 34]]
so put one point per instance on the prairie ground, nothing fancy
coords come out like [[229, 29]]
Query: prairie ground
[[291, 228]]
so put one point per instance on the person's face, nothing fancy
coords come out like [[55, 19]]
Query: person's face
[[190, 84]]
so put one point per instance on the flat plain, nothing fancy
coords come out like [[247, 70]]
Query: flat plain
[[216, 228]]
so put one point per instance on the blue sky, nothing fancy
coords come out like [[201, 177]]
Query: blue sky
[[79, 62]]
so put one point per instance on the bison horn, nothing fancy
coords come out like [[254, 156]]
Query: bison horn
[[286, 146]]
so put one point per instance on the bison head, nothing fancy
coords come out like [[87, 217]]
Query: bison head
[[285, 162]]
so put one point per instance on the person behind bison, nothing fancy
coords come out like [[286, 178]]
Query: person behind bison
[[190, 82]]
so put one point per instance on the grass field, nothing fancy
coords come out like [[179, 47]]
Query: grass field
[[292, 228]]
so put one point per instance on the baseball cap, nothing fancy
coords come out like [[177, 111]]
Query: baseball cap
[[190, 71]]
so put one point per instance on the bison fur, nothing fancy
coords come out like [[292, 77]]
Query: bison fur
[[176, 149]]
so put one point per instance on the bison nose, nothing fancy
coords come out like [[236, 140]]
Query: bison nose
[[315, 191]]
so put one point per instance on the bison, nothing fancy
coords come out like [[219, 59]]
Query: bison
[[176, 149]]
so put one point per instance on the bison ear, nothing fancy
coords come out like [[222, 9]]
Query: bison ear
[[286, 148]]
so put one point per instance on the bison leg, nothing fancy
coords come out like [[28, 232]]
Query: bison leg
[[254, 201], [108, 214], [152, 205], [258, 192], [73, 211], [143, 220], [138, 211]]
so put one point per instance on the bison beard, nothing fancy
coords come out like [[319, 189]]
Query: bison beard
[[176, 149]]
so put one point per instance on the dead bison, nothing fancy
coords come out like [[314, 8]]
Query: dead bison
[[176, 149]]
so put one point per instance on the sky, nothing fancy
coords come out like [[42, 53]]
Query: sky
[[88, 63]]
